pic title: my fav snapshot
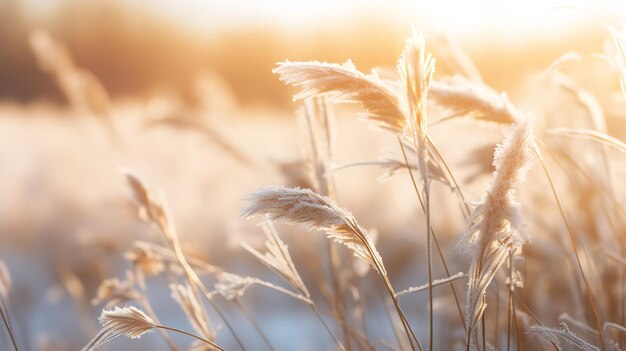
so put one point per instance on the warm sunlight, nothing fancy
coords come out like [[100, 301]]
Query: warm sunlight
[[312, 175]]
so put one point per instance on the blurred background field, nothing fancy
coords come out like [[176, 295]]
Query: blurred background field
[[65, 212]]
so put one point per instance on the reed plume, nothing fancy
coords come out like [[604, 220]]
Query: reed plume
[[314, 212], [495, 225], [477, 100], [344, 83], [127, 321]]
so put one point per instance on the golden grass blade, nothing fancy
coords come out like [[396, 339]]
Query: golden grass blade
[[591, 135]]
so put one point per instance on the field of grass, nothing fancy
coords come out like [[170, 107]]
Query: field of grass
[[434, 203]]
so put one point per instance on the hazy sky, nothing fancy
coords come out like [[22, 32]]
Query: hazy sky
[[457, 17]]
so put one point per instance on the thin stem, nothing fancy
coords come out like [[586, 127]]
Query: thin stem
[[443, 260], [495, 333], [143, 300], [192, 335], [8, 326], [254, 323], [395, 330], [319, 316], [509, 306], [530, 312], [575, 248], [193, 278], [482, 320], [517, 333], [456, 184], [405, 323], [326, 187], [429, 249]]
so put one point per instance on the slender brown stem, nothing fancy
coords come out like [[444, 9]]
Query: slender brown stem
[[325, 185], [143, 300], [5, 319], [192, 335], [388, 313], [405, 323], [534, 317], [495, 333], [509, 306], [254, 323], [443, 260], [457, 188], [319, 316], [517, 333], [575, 248], [483, 328], [172, 238]]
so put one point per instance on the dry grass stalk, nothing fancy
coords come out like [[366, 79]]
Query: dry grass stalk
[[145, 261], [416, 69], [5, 290], [168, 257], [553, 335], [591, 135], [133, 323], [316, 212], [315, 113], [451, 54], [279, 260], [393, 165], [231, 286], [555, 66], [495, 225], [436, 282], [195, 312], [114, 291], [152, 210], [585, 99]]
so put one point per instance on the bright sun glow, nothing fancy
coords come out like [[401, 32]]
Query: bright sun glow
[[465, 18]]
